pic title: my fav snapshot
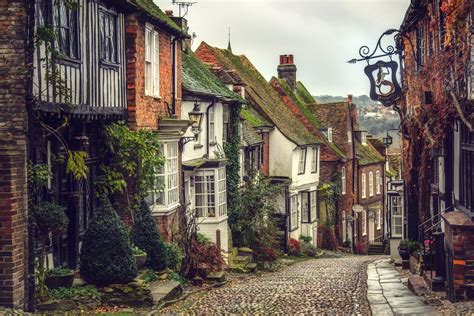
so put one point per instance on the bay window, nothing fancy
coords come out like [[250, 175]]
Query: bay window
[[302, 161], [166, 191], [211, 192], [152, 62]]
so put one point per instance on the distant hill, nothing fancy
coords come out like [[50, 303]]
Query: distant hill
[[361, 100]]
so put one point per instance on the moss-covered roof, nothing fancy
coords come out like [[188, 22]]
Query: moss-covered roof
[[303, 94], [198, 79], [249, 134], [263, 97], [150, 8], [255, 119], [367, 154]]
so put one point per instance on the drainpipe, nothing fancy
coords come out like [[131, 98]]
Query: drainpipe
[[213, 102], [174, 71], [354, 166]]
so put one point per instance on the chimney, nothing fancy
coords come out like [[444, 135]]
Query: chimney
[[287, 70], [349, 98], [169, 13]]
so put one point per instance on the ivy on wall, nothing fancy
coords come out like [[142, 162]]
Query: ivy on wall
[[232, 152]]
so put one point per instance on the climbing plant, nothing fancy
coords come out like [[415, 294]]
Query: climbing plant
[[232, 152], [131, 156]]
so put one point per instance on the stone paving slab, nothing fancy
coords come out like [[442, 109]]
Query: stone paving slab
[[387, 295]]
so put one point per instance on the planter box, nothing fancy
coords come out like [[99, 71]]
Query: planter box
[[57, 281]]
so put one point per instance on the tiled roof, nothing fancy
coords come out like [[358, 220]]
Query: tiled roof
[[222, 75], [253, 118], [249, 134], [367, 154], [149, 7], [377, 143], [263, 97], [198, 79], [304, 101]]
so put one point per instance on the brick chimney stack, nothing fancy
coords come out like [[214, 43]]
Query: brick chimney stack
[[349, 98], [287, 70], [169, 13]]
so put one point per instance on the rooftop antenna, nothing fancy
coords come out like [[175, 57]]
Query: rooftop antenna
[[183, 6]]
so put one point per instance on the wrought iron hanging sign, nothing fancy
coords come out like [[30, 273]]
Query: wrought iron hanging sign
[[384, 86]]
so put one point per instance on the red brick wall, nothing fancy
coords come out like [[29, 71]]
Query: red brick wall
[[144, 110], [13, 153], [459, 239]]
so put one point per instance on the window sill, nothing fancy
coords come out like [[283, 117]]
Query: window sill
[[363, 235], [211, 220], [198, 146], [67, 61], [110, 65], [212, 143], [163, 209], [293, 229], [149, 95]]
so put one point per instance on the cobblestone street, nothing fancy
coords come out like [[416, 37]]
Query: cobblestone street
[[327, 285]]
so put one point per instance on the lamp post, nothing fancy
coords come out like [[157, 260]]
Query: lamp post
[[195, 116], [387, 141]]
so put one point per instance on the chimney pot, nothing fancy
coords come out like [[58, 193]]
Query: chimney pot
[[169, 13]]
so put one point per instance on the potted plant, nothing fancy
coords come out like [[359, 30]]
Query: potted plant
[[49, 218], [403, 249], [59, 277], [140, 256]]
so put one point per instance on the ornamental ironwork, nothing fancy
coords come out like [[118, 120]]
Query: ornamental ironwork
[[384, 85]]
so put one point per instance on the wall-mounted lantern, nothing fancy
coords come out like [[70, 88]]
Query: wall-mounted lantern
[[195, 116]]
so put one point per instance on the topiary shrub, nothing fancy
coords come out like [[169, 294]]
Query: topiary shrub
[[106, 253], [145, 235]]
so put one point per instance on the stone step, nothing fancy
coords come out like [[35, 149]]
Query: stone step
[[252, 267], [165, 291], [241, 260], [216, 276]]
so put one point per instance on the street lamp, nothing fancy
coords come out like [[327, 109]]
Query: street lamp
[[387, 141], [195, 116]]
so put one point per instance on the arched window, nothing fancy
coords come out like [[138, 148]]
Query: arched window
[[364, 192], [343, 180]]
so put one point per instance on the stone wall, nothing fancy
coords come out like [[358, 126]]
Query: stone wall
[[13, 152]]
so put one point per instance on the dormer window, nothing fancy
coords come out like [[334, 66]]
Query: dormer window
[[363, 138], [329, 135]]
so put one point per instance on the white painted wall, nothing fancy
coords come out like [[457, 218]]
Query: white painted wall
[[281, 153]]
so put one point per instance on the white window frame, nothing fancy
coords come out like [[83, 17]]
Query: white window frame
[[305, 215], [364, 192], [363, 223], [302, 161], [343, 180], [378, 217], [313, 211], [225, 121], [314, 160], [218, 205], [293, 212], [152, 62], [212, 126], [167, 179], [371, 183], [349, 136], [330, 134], [396, 203], [378, 182]]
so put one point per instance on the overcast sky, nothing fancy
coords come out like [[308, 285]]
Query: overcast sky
[[321, 34]]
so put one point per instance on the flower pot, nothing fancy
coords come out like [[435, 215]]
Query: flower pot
[[404, 253], [140, 260], [56, 281]]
